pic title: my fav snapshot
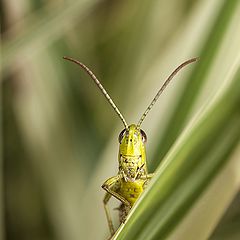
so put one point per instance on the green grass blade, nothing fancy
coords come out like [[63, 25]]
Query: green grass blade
[[187, 170], [195, 81]]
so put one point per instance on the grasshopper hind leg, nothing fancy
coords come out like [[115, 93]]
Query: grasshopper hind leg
[[123, 212]]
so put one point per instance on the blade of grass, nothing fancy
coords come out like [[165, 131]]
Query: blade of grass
[[210, 207], [195, 81], [187, 170]]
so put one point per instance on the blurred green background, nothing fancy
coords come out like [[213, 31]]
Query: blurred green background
[[59, 133]]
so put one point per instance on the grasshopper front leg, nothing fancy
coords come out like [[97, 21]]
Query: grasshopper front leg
[[112, 185]]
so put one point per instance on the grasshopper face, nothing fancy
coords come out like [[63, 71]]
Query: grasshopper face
[[132, 156]]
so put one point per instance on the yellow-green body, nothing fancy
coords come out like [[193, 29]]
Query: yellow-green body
[[132, 176], [131, 190]]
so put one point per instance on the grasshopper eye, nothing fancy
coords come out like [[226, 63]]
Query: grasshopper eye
[[120, 137], [144, 136]]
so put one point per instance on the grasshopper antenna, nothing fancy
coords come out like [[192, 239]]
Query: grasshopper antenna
[[100, 86], [163, 87]]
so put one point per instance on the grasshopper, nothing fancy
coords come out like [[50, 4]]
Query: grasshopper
[[133, 176]]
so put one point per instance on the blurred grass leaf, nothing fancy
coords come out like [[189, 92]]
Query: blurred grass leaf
[[59, 17], [196, 81]]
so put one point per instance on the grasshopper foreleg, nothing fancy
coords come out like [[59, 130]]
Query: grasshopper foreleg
[[112, 185]]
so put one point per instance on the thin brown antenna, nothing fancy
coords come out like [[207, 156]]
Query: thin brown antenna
[[163, 87], [100, 86]]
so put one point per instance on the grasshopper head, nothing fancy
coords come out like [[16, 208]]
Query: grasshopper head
[[132, 156]]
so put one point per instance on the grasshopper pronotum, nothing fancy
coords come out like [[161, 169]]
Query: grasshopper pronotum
[[133, 176]]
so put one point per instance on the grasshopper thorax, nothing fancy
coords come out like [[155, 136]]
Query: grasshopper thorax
[[132, 155]]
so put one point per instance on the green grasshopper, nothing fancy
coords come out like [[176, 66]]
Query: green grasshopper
[[133, 176]]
